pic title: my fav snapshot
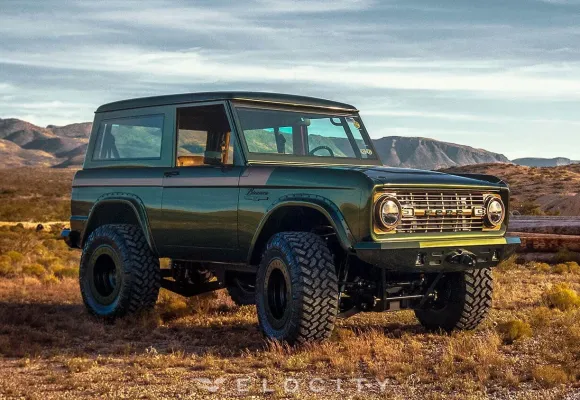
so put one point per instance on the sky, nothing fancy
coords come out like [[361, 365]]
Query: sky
[[499, 75]]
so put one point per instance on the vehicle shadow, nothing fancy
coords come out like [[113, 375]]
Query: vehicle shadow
[[41, 329], [29, 329]]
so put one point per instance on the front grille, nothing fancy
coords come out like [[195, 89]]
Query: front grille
[[441, 211]]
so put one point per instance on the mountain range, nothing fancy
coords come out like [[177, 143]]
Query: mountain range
[[25, 144]]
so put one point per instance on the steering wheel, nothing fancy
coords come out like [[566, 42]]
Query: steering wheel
[[314, 150]]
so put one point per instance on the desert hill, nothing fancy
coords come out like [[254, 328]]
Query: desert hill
[[25, 144], [548, 190], [424, 153]]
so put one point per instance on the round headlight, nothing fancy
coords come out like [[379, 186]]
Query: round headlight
[[495, 212], [389, 212]]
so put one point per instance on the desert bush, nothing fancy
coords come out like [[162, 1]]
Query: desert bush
[[508, 264], [573, 267], [570, 267], [171, 306], [549, 376], [513, 330], [33, 270], [49, 279], [65, 272], [565, 255], [540, 267], [541, 317], [77, 364], [7, 267], [15, 256], [560, 269], [530, 208], [562, 297]]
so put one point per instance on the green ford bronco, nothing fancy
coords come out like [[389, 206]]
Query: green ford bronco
[[283, 201]]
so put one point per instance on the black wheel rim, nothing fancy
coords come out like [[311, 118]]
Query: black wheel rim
[[443, 294], [277, 293], [105, 275]]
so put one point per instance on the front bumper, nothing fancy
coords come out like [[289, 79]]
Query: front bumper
[[437, 255]]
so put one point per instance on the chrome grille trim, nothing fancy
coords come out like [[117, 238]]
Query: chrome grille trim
[[441, 211]]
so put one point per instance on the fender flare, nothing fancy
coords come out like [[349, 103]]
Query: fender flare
[[319, 203], [129, 200]]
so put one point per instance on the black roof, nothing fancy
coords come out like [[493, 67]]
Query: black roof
[[216, 96]]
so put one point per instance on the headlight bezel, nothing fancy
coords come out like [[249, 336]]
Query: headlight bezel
[[489, 222], [380, 223]]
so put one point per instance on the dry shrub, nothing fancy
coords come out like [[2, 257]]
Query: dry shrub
[[475, 354], [564, 255], [514, 329], [540, 267], [49, 279], [560, 269], [15, 256], [549, 375], [65, 272], [36, 270], [171, 306], [541, 317], [508, 264], [7, 267], [573, 267], [562, 297], [570, 267], [203, 303], [77, 364]]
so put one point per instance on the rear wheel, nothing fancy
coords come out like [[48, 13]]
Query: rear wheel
[[462, 301], [297, 288], [119, 274]]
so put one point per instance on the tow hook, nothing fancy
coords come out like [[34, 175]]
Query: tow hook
[[462, 257]]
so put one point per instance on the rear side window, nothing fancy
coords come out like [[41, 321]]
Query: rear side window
[[129, 138]]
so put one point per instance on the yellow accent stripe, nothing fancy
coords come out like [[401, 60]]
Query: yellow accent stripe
[[459, 243]]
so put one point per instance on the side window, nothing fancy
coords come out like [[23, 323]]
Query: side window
[[129, 138], [270, 140], [204, 137]]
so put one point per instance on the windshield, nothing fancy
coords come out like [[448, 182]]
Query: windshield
[[296, 133]]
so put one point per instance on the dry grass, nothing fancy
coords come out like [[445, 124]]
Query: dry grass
[[35, 194], [528, 347]]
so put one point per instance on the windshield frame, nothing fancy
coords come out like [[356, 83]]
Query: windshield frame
[[276, 158]]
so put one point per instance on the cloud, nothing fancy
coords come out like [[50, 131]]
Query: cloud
[[196, 65], [452, 71]]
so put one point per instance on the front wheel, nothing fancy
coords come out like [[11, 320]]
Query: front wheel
[[297, 288], [462, 301]]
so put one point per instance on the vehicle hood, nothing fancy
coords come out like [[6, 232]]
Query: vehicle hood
[[382, 175]]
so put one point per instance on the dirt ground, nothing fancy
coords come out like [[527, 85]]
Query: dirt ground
[[209, 348]]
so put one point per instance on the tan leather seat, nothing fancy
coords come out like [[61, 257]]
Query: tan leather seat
[[189, 161]]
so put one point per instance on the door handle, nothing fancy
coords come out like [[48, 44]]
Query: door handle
[[170, 173]]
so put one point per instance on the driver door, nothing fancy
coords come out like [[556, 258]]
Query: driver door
[[200, 193]]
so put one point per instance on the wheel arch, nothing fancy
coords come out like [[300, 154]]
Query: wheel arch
[[319, 208], [118, 209]]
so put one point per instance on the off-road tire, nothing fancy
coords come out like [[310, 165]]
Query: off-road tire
[[136, 273], [468, 297], [307, 265]]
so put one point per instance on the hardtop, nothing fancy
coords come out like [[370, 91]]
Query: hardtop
[[184, 98]]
